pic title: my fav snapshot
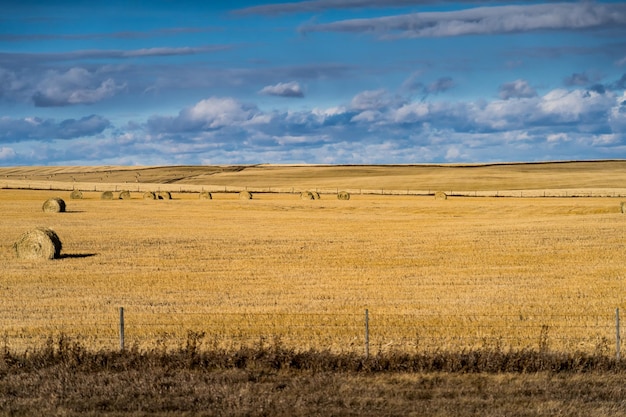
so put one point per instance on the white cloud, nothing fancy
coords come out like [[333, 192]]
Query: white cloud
[[605, 140], [75, 86], [571, 106], [516, 89], [617, 115], [290, 89], [557, 137], [6, 153], [367, 116], [411, 112], [217, 112], [372, 99], [453, 153]]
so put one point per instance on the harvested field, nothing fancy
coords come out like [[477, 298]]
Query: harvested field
[[465, 272]]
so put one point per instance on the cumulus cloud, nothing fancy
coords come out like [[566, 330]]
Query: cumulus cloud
[[575, 106], [413, 85], [35, 128], [75, 86], [485, 20], [516, 89], [6, 153], [209, 114], [291, 89], [617, 115]]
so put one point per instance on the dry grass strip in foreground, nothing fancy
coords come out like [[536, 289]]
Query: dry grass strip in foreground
[[66, 379]]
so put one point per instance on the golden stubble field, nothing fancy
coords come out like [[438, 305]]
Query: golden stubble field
[[541, 273]]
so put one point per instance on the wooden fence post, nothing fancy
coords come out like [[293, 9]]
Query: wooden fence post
[[122, 329], [617, 335], [367, 334]]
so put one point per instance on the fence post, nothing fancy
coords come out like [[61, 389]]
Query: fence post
[[617, 335], [122, 329], [367, 334]]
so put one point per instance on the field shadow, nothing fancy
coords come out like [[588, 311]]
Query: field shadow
[[76, 255]]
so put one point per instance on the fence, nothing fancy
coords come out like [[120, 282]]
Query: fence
[[193, 188], [360, 332]]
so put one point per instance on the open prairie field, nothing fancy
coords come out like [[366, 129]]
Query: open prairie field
[[452, 283], [465, 272]]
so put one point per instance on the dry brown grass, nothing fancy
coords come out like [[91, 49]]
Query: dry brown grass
[[68, 381]]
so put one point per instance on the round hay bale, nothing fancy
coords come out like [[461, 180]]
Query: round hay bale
[[124, 195], [40, 243], [343, 195], [205, 195], [440, 195], [107, 195], [623, 206], [315, 194], [245, 195], [54, 205], [164, 195], [149, 195], [76, 195], [306, 195]]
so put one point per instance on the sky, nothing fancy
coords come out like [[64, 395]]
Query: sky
[[164, 82]]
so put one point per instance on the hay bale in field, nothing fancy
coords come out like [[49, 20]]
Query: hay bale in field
[[440, 195], [76, 195], [205, 195], [623, 206], [124, 195], [107, 195], [343, 195], [315, 194], [40, 243], [306, 195], [54, 205], [164, 195], [245, 195], [149, 195]]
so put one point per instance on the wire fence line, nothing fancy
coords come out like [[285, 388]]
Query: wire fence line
[[359, 332], [195, 188]]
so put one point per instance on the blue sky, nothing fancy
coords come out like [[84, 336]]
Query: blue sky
[[166, 82]]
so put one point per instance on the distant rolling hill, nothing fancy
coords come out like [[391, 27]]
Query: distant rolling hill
[[609, 174]]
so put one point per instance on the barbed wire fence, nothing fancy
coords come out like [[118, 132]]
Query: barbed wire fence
[[366, 332]]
